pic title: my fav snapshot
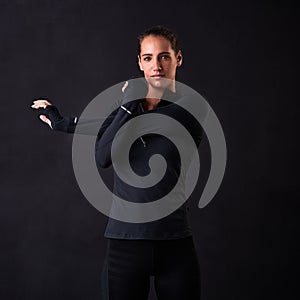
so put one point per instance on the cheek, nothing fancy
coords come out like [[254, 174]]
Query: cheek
[[146, 69], [169, 68], [174, 67], [170, 65]]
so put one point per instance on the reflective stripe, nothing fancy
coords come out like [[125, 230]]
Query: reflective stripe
[[128, 111]]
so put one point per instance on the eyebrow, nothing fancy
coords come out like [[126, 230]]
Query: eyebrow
[[149, 54]]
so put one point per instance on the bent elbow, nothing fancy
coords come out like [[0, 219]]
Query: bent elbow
[[102, 163], [102, 160]]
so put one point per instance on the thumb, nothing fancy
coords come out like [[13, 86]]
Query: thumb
[[46, 120]]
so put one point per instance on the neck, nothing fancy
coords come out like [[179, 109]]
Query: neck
[[150, 103], [154, 95], [152, 98]]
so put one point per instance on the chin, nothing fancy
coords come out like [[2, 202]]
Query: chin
[[161, 83]]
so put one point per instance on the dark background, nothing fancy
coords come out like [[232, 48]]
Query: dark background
[[240, 55]]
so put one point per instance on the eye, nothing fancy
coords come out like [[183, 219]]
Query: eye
[[147, 58], [165, 57]]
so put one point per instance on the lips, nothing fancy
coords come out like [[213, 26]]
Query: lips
[[157, 76]]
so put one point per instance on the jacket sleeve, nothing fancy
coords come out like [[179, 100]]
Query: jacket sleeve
[[58, 122], [70, 124], [105, 134], [133, 93], [108, 131], [109, 125]]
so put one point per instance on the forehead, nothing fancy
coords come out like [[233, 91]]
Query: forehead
[[155, 44]]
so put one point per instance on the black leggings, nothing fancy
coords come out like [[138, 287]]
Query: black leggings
[[130, 263]]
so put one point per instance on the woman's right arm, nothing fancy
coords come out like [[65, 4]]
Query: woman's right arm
[[57, 122], [53, 118], [105, 133]]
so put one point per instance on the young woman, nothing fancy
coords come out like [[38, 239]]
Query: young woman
[[163, 248]]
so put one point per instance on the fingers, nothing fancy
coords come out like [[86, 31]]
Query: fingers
[[40, 104], [46, 120]]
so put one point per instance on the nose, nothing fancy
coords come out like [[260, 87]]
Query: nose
[[157, 64]]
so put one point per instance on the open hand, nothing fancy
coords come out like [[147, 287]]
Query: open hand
[[42, 104]]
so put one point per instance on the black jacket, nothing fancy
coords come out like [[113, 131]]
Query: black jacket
[[176, 224]]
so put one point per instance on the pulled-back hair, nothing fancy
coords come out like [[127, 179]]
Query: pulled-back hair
[[163, 31]]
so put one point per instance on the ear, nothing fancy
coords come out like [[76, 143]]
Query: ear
[[139, 62], [179, 57]]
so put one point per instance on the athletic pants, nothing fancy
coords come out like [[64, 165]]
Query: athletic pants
[[130, 263]]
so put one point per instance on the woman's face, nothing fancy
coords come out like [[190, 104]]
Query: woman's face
[[158, 60]]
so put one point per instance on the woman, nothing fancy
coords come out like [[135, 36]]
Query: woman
[[163, 248]]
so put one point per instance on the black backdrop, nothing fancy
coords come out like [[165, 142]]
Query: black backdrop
[[239, 55]]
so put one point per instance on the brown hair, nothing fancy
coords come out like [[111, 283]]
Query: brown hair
[[159, 30]]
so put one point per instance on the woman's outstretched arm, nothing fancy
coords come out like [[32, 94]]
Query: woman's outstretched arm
[[57, 122]]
